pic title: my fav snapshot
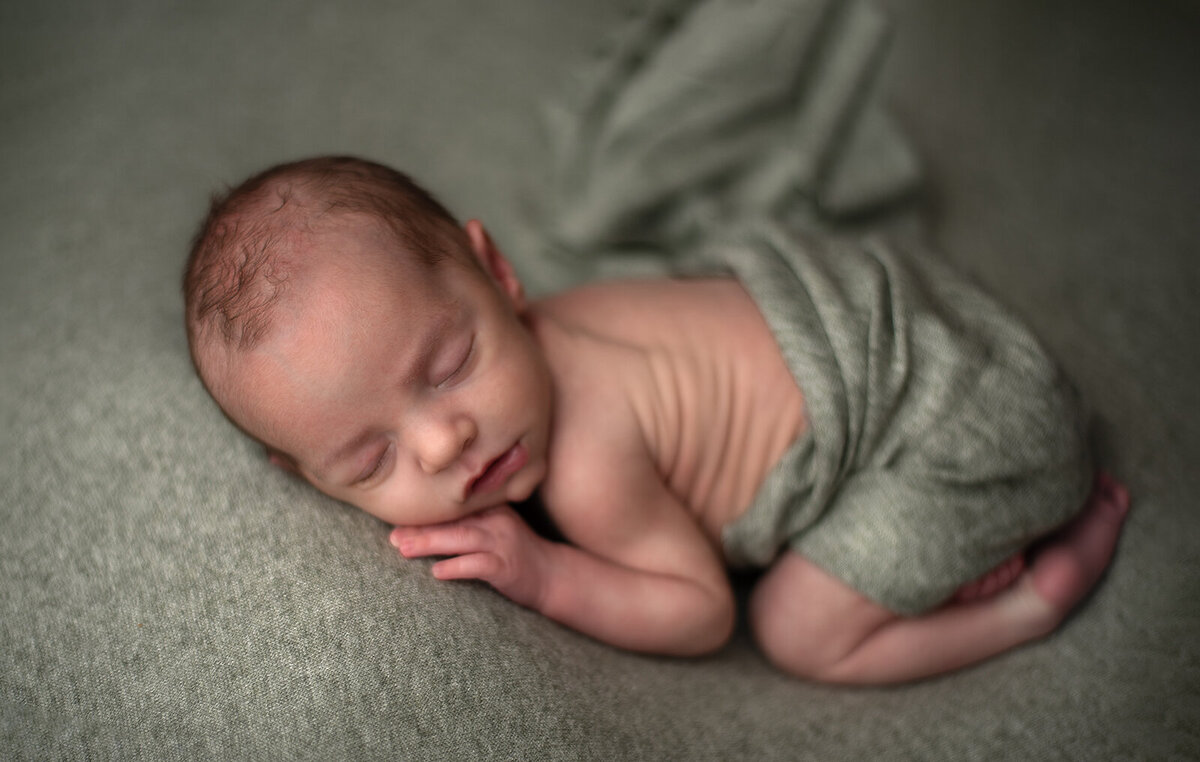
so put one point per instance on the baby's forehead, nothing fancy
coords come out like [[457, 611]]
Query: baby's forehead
[[335, 334], [362, 252], [356, 280]]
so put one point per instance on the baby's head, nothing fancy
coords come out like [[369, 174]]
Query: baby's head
[[339, 314]]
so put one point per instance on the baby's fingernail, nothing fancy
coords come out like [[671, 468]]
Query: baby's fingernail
[[394, 539]]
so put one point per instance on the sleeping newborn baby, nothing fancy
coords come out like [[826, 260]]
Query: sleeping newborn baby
[[878, 437]]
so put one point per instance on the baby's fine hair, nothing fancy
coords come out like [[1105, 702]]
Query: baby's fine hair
[[241, 256]]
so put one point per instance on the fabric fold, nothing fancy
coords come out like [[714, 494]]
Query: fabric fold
[[713, 110]]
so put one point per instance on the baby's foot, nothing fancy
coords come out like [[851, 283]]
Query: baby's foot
[[1071, 562], [999, 578]]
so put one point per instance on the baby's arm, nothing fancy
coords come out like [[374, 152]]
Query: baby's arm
[[647, 577], [640, 574]]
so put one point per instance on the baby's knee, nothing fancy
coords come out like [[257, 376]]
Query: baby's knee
[[797, 649], [806, 622], [785, 648]]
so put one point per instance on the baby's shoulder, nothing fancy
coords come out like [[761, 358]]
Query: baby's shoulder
[[602, 391], [598, 452], [639, 309]]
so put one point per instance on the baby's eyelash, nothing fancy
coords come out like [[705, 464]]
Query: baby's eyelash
[[376, 467], [463, 364], [466, 357]]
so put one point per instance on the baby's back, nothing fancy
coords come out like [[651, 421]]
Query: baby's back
[[717, 405]]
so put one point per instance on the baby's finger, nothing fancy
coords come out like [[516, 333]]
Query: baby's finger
[[472, 566], [398, 534], [446, 540]]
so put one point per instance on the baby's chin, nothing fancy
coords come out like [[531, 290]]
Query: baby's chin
[[527, 483], [511, 495], [521, 493]]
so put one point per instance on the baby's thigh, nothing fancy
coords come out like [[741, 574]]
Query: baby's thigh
[[804, 618]]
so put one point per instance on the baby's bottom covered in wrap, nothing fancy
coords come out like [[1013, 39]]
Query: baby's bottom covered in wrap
[[941, 439]]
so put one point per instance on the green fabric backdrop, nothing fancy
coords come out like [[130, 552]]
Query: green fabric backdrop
[[165, 595]]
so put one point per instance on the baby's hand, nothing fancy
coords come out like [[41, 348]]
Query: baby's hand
[[495, 546]]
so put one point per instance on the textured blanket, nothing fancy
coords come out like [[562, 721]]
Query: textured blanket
[[942, 439], [166, 595]]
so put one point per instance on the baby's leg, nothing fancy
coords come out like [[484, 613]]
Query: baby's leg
[[814, 626]]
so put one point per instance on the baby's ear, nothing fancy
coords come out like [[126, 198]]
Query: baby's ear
[[495, 263], [282, 460]]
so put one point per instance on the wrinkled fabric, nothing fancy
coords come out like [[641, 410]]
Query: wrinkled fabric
[[713, 110], [942, 440]]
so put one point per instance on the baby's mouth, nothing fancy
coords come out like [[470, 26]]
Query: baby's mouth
[[499, 470]]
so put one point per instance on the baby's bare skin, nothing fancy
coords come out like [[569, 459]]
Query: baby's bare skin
[[697, 364]]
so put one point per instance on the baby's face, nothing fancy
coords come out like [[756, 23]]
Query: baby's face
[[413, 392]]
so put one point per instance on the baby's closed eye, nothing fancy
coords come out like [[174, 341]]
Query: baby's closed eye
[[375, 468], [455, 365]]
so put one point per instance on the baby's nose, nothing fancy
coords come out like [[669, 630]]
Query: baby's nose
[[442, 441]]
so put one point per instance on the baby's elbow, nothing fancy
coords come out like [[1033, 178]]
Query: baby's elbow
[[722, 630], [714, 628]]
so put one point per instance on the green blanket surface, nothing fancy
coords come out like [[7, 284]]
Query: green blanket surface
[[165, 594]]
